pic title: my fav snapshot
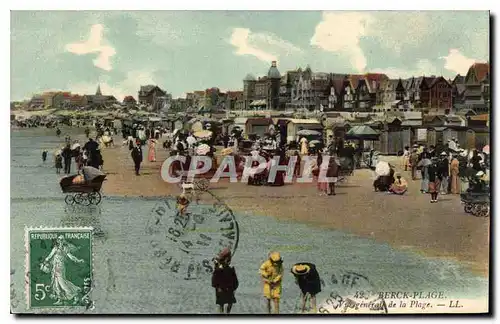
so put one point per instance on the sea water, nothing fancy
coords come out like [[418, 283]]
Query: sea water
[[127, 278]]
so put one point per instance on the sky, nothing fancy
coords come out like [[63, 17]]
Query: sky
[[183, 51]]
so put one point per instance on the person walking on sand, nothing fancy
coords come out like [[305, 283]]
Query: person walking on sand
[[444, 171], [271, 272], [44, 155], [137, 157], [58, 163], [413, 163], [152, 150], [455, 178], [406, 157], [332, 172], [225, 281], [309, 282], [434, 180], [67, 155]]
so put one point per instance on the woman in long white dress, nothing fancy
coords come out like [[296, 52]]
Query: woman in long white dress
[[304, 147], [62, 289]]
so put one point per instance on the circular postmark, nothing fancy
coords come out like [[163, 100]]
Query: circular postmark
[[186, 243], [350, 292]]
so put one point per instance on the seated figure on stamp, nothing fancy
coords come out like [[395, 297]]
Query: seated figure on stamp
[[62, 289]]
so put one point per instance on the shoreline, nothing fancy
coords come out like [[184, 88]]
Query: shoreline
[[355, 210]]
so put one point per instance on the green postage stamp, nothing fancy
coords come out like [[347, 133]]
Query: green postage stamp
[[59, 267]]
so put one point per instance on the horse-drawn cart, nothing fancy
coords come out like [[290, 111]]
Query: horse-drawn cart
[[83, 189]]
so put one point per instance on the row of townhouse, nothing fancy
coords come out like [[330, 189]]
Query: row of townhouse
[[368, 92]]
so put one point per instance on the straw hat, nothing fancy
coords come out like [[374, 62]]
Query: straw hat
[[444, 153], [275, 257], [301, 269], [480, 174]]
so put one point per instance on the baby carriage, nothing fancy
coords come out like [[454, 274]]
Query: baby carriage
[[476, 203], [83, 189]]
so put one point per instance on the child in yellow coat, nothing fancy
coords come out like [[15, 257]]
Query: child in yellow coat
[[271, 272]]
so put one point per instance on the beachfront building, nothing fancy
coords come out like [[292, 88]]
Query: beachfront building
[[98, 100], [310, 90], [475, 89], [129, 101], [149, 94], [264, 92]]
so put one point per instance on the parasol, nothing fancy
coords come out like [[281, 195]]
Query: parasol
[[203, 134], [383, 168], [203, 149], [255, 153], [314, 142], [424, 163], [308, 132], [486, 149], [227, 151]]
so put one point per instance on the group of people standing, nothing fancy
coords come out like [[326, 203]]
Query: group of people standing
[[136, 137], [444, 170], [88, 155], [225, 282]]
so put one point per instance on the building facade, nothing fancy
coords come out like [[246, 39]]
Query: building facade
[[148, 94], [264, 92]]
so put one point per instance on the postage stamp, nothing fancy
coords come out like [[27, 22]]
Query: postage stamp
[[186, 243], [59, 267], [350, 292]]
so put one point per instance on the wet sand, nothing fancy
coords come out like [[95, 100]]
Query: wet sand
[[410, 221]]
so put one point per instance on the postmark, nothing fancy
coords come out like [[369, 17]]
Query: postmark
[[350, 292], [59, 267], [185, 244]]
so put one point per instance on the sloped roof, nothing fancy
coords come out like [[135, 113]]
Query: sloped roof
[[355, 78], [460, 88], [147, 88], [459, 79], [481, 70]]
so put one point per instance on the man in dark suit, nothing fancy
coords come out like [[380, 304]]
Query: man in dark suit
[[137, 158]]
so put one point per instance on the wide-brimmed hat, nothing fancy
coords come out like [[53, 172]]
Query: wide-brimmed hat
[[397, 174], [480, 174], [275, 257], [444, 153], [301, 269]]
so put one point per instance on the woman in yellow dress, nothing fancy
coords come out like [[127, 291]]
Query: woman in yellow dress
[[271, 272]]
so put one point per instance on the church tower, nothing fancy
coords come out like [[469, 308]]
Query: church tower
[[98, 92]]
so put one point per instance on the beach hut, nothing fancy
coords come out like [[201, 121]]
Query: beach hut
[[295, 125]]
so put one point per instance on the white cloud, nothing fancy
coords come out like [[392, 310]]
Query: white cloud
[[127, 87], [396, 29], [264, 46], [94, 44], [340, 33], [457, 62], [423, 67]]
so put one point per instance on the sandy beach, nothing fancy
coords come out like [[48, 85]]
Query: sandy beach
[[410, 221]]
